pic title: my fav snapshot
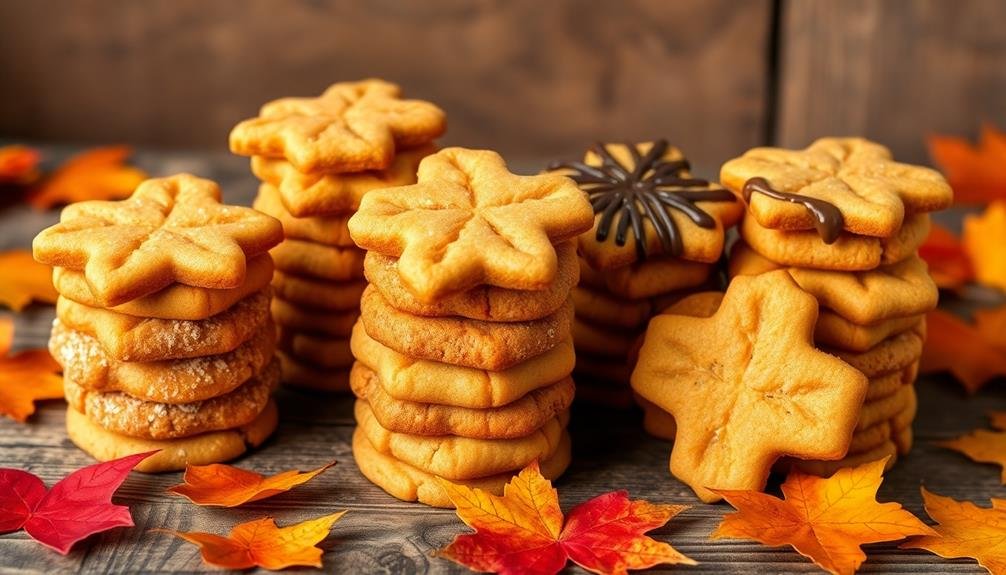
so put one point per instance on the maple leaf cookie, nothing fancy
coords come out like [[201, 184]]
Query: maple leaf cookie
[[746, 386], [468, 221], [171, 230], [351, 127]]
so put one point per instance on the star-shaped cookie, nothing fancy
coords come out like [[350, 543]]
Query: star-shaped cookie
[[856, 176], [351, 127], [171, 230], [469, 221], [747, 386]]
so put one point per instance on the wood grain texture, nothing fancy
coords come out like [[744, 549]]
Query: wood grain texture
[[891, 71], [528, 78]]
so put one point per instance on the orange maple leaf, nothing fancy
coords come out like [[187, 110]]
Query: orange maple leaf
[[23, 280], [984, 238], [523, 531], [824, 519], [982, 445], [965, 530], [961, 349], [975, 172], [260, 543], [225, 486], [25, 377], [98, 174], [18, 165], [948, 263]]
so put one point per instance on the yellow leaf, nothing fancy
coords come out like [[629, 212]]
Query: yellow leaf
[[23, 280], [98, 174], [225, 486], [965, 530], [984, 238], [25, 377]]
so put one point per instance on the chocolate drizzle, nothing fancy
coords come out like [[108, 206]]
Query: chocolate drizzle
[[828, 220], [649, 188]]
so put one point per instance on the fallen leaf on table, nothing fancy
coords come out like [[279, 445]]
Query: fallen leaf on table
[[77, 506], [961, 349], [523, 531], [18, 165], [984, 240], [975, 172], [991, 324], [982, 445], [260, 543], [225, 486], [25, 377], [23, 280], [98, 174], [949, 265], [965, 530], [824, 519]]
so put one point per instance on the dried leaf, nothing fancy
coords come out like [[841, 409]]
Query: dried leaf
[[25, 377], [982, 445], [975, 172], [965, 530], [961, 349], [984, 238], [523, 532], [23, 280], [225, 486], [98, 174], [18, 165], [260, 543], [824, 519], [76, 507], [949, 265]]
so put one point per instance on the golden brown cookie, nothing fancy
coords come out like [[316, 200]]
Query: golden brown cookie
[[409, 483], [886, 408], [488, 303], [894, 353], [130, 338], [468, 221], [171, 230], [321, 351], [325, 230], [834, 331], [173, 454], [335, 324], [601, 341], [308, 292], [855, 177], [885, 385], [516, 419], [453, 457], [656, 421], [307, 194], [646, 279], [177, 301], [903, 439], [302, 258], [904, 418], [600, 308], [460, 341], [423, 381], [646, 204], [746, 386], [303, 375], [86, 364], [868, 439], [352, 126]]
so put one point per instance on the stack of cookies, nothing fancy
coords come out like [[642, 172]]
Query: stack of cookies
[[657, 235], [463, 348], [845, 221], [317, 157], [163, 326]]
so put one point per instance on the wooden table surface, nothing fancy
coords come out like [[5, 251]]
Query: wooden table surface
[[383, 535]]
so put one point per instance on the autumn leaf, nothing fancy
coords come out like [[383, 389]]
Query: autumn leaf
[[18, 165], [982, 445], [961, 349], [25, 377], [965, 530], [225, 486], [98, 174], [23, 280], [984, 238], [260, 543], [975, 172], [949, 265], [78, 506], [523, 531], [824, 519]]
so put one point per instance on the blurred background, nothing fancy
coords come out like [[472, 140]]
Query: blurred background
[[534, 79]]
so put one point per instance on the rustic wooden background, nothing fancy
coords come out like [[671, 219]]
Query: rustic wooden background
[[532, 79]]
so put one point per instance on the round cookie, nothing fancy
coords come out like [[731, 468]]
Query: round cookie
[[885, 385], [302, 375], [453, 457], [324, 230], [903, 438], [868, 439], [337, 324], [599, 308], [322, 294], [323, 352], [904, 418], [886, 408], [409, 483], [894, 353], [86, 364], [126, 415], [600, 341], [517, 419], [833, 330], [656, 421], [174, 454], [315, 260], [460, 341], [177, 301], [423, 381], [130, 338], [645, 279], [488, 303]]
